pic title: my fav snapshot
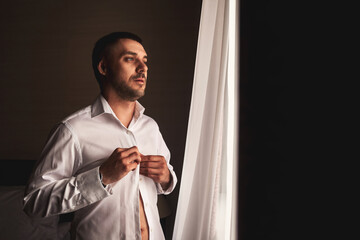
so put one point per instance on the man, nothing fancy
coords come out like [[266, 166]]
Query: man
[[108, 161]]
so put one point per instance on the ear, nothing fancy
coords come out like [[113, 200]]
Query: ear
[[102, 67]]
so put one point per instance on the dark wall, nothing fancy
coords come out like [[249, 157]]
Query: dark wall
[[292, 110], [46, 74]]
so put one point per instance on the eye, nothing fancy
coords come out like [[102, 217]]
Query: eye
[[129, 59]]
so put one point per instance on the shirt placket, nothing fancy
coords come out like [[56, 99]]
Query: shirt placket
[[146, 205], [137, 228]]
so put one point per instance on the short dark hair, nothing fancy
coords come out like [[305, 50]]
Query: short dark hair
[[101, 46]]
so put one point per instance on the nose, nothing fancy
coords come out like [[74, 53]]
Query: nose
[[142, 67]]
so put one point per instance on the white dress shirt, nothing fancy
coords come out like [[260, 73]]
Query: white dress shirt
[[66, 178]]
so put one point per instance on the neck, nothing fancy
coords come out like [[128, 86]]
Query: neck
[[123, 109]]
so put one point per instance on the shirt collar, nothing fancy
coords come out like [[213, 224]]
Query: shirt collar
[[101, 106]]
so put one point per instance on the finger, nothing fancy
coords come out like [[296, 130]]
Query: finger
[[125, 152], [132, 158], [117, 151], [151, 171], [131, 150], [132, 166], [159, 162], [145, 158], [120, 149], [151, 164], [156, 178], [152, 158]]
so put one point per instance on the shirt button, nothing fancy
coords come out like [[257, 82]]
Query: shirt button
[[140, 179]]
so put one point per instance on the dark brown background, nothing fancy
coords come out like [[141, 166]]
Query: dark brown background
[[296, 106], [46, 73]]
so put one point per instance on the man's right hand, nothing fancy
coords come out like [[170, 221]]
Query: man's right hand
[[119, 164]]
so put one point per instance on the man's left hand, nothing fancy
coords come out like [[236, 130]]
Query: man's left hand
[[155, 167]]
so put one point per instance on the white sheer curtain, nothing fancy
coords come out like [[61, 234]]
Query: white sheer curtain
[[207, 203]]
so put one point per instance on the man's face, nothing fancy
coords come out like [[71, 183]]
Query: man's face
[[126, 69]]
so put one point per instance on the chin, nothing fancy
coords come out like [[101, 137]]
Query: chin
[[133, 97]]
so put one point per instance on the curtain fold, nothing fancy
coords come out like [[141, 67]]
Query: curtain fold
[[208, 183]]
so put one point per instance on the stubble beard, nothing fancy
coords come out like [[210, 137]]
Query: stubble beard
[[125, 92]]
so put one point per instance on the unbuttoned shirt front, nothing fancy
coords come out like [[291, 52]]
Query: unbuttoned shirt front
[[66, 178]]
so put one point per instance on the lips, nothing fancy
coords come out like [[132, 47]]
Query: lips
[[140, 80]]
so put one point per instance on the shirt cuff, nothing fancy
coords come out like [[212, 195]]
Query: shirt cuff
[[170, 188], [90, 186]]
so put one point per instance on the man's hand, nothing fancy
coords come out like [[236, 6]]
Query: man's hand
[[119, 164], [155, 167]]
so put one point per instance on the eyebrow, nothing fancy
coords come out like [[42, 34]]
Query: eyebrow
[[131, 53]]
